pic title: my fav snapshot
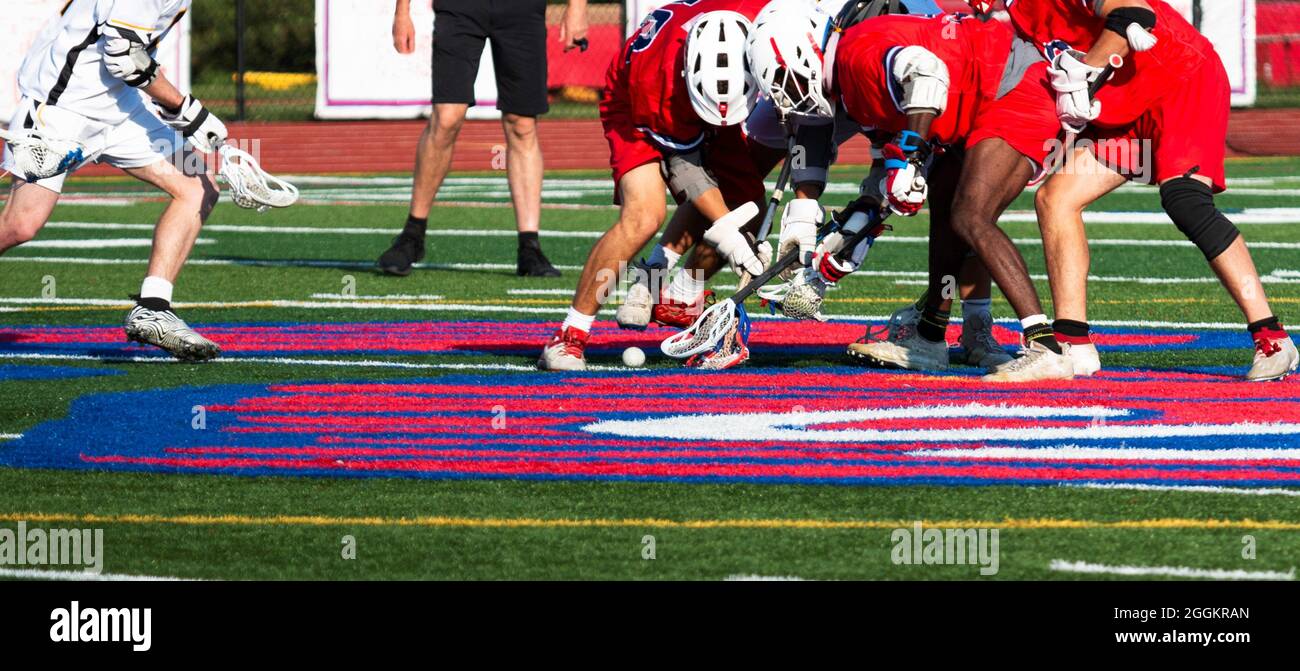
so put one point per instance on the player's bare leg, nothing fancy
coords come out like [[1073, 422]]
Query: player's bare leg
[[432, 162], [1060, 203], [25, 213], [641, 193], [524, 174], [997, 174], [152, 321]]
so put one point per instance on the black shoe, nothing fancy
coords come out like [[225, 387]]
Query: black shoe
[[407, 249], [533, 263]]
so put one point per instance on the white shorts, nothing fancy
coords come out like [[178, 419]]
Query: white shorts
[[142, 140]]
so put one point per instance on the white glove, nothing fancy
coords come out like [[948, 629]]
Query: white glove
[[203, 129], [799, 225], [1071, 78], [725, 235]]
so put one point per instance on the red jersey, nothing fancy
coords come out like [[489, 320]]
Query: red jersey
[[975, 52], [647, 81], [1180, 50]]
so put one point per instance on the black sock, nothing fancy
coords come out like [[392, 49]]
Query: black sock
[[1042, 333], [1271, 323], [529, 239], [1072, 332], [415, 226], [934, 324], [155, 304]]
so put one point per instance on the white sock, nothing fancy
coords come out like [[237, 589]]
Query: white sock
[[578, 321], [156, 287], [662, 255], [1033, 320], [978, 306], [685, 287]]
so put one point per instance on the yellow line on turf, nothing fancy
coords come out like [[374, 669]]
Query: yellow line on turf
[[539, 523]]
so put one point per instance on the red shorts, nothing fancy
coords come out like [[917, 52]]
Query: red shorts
[[1185, 131], [1024, 118], [628, 147], [739, 165]]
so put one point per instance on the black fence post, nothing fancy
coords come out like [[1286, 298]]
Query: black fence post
[[240, 110]]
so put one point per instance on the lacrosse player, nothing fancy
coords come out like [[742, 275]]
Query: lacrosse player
[[818, 138], [1174, 97], [85, 85], [678, 90], [945, 81]]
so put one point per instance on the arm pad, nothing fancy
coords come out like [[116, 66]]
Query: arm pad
[[924, 78], [1133, 24], [127, 58]]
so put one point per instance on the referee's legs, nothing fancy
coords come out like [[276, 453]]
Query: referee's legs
[[432, 161], [524, 173]]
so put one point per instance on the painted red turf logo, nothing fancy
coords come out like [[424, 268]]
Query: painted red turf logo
[[821, 426]]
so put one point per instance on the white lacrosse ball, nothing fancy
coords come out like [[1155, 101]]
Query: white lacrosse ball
[[633, 357]]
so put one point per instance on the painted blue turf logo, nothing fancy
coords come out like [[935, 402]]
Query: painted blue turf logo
[[832, 426]]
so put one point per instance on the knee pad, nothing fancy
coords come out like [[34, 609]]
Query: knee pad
[[1191, 205]]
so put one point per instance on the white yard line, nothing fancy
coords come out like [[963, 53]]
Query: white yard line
[[1076, 453], [1064, 566], [10, 436], [1204, 489], [83, 576]]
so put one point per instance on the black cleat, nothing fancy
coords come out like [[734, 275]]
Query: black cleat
[[533, 263], [407, 250]]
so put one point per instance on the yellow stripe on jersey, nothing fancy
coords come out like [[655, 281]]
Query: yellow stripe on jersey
[[124, 24]]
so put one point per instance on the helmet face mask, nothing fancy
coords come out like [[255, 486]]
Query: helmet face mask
[[785, 54], [721, 89]]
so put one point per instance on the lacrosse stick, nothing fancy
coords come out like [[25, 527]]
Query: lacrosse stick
[[251, 187], [37, 156], [713, 326], [782, 181], [802, 297]]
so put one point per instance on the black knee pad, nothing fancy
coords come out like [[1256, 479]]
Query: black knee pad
[[1190, 204]]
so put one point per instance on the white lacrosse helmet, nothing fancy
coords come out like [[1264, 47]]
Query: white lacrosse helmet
[[721, 89], [786, 56]]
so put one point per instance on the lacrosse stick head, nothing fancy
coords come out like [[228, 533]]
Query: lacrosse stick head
[[708, 330], [732, 350], [37, 156], [251, 187], [804, 299]]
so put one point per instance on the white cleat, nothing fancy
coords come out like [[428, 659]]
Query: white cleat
[[565, 351], [636, 309], [1274, 360], [902, 347], [982, 349], [1035, 363], [1084, 358], [164, 330]]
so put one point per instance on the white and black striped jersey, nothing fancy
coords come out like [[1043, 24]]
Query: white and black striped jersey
[[65, 64]]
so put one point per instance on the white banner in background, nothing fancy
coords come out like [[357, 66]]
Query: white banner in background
[[361, 75], [24, 21]]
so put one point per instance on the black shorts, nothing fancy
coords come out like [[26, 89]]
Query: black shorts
[[517, 30]]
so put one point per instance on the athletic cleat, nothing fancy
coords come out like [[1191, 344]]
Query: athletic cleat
[[636, 309], [407, 250], [565, 351], [672, 312], [1035, 362], [982, 349], [904, 348], [531, 262], [164, 330], [1275, 358], [1086, 362]]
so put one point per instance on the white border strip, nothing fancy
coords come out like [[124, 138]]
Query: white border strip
[[1204, 489], [1064, 566], [84, 576]]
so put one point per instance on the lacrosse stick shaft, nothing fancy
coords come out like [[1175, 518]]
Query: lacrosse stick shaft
[[782, 181], [1115, 63]]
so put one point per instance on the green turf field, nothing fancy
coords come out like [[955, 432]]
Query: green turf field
[[314, 264]]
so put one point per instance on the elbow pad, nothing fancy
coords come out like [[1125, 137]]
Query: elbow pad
[[1135, 25], [127, 58], [924, 78]]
